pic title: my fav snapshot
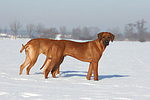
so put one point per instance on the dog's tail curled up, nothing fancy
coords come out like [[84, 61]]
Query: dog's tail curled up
[[23, 47]]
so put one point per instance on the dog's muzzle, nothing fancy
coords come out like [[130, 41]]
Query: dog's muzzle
[[106, 42]]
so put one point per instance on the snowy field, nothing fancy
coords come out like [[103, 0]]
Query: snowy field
[[124, 74]]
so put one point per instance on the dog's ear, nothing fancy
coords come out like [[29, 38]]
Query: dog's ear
[[100, 36], [112, 37]]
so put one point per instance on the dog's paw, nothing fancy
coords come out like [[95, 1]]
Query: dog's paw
[[20, 73], [95, 79], [88, 78]]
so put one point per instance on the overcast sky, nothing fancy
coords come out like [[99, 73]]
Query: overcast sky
[[73, 13]]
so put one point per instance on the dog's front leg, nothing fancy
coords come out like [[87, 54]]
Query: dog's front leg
[[89, 72], [95, 68]]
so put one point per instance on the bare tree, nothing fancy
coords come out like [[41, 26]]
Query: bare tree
[[86, 32], [116, 31], [30, 29], [129, 29], [15, 26], [94, 31], [141, 30], [50, 33], [63, 31], [39, 29], [76, 32]]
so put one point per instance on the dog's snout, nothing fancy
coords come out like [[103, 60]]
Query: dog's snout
[[106, 42]]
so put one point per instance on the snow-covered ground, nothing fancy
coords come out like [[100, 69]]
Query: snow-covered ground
[[124, 74]]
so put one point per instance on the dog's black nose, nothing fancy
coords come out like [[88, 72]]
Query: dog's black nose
[[106, 42]]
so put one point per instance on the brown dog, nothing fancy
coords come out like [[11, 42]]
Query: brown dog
[[87, 51], [33, 49]]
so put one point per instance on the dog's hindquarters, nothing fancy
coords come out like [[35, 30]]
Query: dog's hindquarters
[[50, 47], [48, 60], [32, 53], [27, 60], [55, 53]]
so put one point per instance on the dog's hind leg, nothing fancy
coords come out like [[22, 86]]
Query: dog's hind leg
[[30, 66], [50, 66], [33, 58], [56, 68], [47, 62], [27, 61]]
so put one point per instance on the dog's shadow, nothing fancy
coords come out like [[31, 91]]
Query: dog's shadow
[[84, 74], [38, 73]]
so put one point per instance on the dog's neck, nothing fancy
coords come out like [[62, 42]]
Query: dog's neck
[[100, 45]]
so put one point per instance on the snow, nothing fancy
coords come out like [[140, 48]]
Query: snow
[[124, 74]]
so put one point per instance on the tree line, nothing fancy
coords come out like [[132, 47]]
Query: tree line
[[132, 31]]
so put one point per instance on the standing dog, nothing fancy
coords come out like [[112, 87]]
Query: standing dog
[[33, 49], [87, 51]]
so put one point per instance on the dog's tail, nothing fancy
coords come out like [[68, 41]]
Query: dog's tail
[[44, 63], [23, 47]]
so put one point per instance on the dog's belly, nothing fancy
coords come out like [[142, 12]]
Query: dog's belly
[[83, 56]]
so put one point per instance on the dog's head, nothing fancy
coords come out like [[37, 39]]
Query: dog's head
[[106, 37]]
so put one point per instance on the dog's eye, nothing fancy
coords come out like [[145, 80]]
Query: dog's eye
[[103, 36]]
